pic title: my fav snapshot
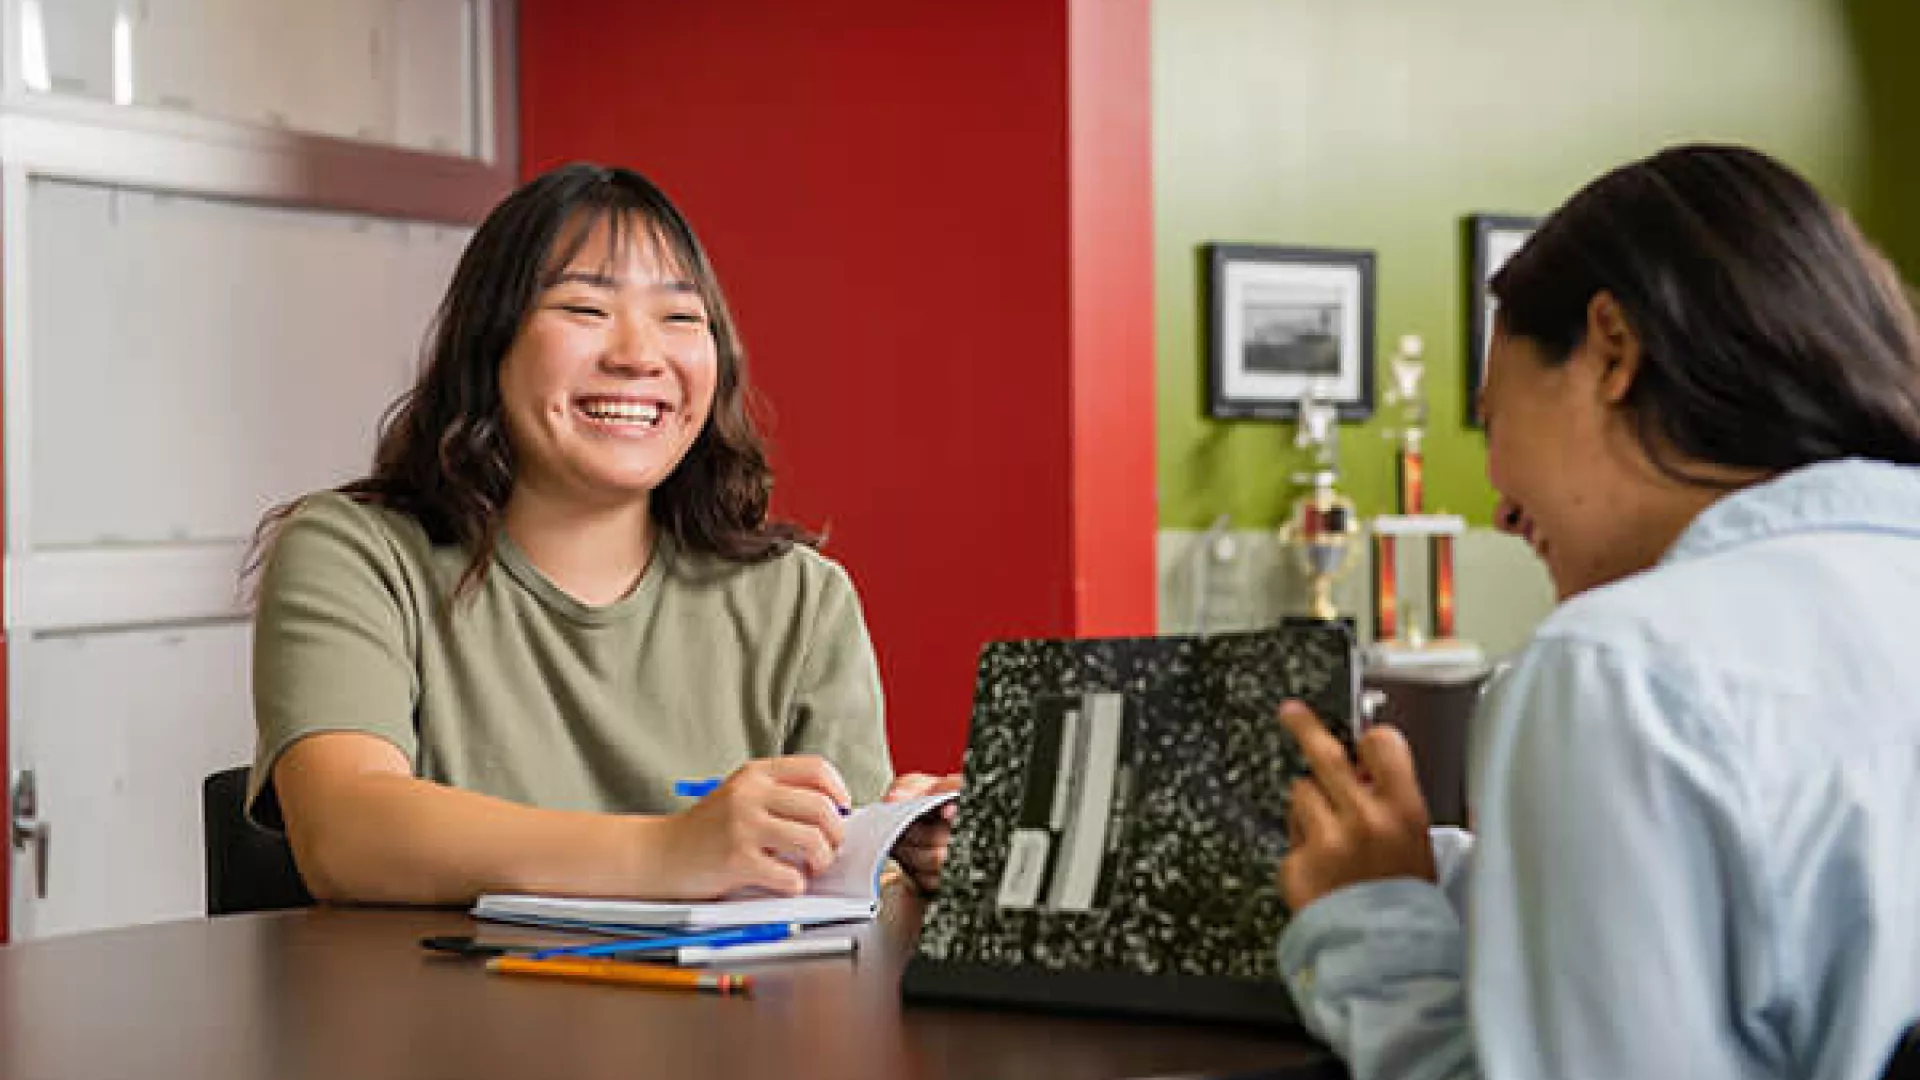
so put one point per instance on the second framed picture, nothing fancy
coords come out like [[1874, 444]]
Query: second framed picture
[[1492, 239], [1283, 319]]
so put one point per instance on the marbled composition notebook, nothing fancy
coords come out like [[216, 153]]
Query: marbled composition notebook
[[1124, 810]]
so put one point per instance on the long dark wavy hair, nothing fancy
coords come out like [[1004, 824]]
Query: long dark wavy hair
[[1772, 334], [443, 456]]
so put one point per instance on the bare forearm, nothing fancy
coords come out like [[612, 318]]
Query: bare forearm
[[381, 837], [364, 828]]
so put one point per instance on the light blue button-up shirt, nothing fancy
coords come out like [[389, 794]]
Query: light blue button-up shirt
[[1697, 796]]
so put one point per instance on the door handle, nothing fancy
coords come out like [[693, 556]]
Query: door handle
[[29, 829]]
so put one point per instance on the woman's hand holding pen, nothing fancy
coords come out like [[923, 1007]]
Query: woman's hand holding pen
[[922, 849], [1348, 825], [771, 825]]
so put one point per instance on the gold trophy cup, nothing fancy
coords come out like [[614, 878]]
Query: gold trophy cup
[[1323, 529], [1324, 534]]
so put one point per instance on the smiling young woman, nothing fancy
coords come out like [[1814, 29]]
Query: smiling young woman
[[483, 666]]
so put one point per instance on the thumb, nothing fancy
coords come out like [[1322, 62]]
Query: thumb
[[909, 786]]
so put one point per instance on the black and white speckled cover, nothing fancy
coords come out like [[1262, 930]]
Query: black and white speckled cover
[[1187, 912]]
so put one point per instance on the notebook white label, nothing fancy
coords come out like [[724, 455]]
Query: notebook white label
[[1026, 868]]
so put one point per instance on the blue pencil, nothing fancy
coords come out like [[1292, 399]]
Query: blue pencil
[[733, 935], [696, 789], [700, 789]]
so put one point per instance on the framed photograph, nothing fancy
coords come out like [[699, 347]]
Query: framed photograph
[[1491, 241], [1283, 318]]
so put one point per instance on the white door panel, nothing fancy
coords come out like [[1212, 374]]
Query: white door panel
[[197, 361], [119, 729]]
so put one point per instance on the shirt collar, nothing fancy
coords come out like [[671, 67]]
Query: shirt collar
[[1851, 495]]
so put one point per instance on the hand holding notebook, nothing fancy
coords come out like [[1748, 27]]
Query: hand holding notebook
[[849, 889], [922, 850]]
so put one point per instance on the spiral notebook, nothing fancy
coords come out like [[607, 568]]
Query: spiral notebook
[[847, 891], [1124, 810]]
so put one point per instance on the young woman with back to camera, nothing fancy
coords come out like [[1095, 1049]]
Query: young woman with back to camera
[[1697, 789]]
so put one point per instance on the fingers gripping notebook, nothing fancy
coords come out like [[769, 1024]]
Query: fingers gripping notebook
[[847, 890], [1125, 810]]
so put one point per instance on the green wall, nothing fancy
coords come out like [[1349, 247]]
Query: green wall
[[1886, 34], [1382, 123]]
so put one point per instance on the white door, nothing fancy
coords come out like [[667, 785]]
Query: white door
[[175, 366], [114, 759]]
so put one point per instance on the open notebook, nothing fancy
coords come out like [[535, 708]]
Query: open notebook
[[848, 890]]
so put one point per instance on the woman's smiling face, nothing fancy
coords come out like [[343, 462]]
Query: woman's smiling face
[[611, 377], [1564, 459]]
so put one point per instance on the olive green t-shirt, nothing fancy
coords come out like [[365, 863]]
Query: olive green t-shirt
[[520, 691]]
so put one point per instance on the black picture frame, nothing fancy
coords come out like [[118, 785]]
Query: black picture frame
[[1491, 241], [1272, 310]]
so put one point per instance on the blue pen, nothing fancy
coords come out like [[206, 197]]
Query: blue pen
[[700, 789], [735, 935]]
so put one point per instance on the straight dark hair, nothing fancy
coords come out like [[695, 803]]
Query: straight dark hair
[[1772, 335], [443, 456]]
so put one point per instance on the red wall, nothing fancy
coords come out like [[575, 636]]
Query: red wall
[[887, 191], [1110, 184]]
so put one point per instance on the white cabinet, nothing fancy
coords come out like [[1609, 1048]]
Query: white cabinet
[[397, 72]]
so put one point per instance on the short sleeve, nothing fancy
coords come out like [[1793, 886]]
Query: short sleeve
[[839, 712], [332, 641]]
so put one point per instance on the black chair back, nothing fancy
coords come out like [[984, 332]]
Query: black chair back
[[1905, 1062], [248, 868]]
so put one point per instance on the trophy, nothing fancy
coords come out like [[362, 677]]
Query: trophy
[[1323, 530], [1406, 632]]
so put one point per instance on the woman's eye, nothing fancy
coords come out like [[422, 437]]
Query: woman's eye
[[687, 318], [584, 309]]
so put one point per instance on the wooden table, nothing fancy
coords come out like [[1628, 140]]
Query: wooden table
[[347, 992]]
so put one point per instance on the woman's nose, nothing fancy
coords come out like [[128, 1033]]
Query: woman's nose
[[634, 348], [1507, 515]]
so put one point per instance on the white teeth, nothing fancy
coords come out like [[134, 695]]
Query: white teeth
[[624, 412]]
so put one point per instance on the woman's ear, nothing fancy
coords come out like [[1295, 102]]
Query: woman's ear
[[1615, 346]]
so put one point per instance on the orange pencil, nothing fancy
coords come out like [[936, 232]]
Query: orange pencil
[[623, 973]]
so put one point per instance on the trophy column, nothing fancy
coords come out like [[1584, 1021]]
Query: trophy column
[[1407, 631]]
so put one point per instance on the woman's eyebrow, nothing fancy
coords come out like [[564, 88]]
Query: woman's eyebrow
[[603, 280], [597, 278]]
